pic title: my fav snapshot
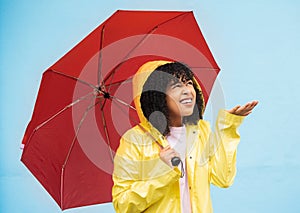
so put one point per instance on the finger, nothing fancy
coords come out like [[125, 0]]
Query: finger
[[168, 158], [254, 103], [176, 154], [248, 105], [241, 109], [165, 148], [169, 152], [234, 109], [247, 113], [245, 109], [172, 153], [251, 105]]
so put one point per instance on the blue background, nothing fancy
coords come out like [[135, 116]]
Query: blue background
[[256, 44]]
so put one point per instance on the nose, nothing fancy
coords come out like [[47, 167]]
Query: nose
[[186, 90]]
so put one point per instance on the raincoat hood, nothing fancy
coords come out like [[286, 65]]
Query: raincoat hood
[[139, 80]]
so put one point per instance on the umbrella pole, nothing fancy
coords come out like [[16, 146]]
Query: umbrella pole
[[175, 160], [135, 121]]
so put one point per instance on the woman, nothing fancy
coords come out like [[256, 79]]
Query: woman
[[172, 104]]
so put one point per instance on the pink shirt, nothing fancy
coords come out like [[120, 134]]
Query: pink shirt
[[177, 140]]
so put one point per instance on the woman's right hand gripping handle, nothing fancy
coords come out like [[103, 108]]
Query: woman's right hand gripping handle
[[169, 156]]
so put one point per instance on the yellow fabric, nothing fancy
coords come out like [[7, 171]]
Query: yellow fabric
[[143, 183], [139, 80]]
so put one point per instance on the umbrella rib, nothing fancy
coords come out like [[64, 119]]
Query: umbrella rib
[[75, 78], [121, 81], [138, 124], [62, 110], [147, 132], [136, 46], [123, 102], [72, 145], [100, 77], [134, 120], [103, 103], [111, 75], [52, 117], [106, 135], [78, 128]]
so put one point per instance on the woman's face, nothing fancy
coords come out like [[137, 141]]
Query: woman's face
[[181, 98]]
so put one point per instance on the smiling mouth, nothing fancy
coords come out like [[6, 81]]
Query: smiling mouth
[[186, 101]]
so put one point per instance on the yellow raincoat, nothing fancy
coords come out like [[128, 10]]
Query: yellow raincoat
[[144, 183]]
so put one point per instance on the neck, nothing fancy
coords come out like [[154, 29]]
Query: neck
[[176, 122]]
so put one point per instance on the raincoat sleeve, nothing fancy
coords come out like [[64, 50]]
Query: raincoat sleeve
[[223, 146], [136, 184]]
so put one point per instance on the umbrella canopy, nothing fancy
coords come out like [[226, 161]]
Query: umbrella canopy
[[85, 100]]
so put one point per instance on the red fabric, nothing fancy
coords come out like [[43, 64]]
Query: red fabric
[[76, 171]]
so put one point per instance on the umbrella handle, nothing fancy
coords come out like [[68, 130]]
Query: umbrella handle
[[175, 161]]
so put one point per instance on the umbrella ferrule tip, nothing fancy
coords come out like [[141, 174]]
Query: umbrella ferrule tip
[[100, 90], [106, 95]]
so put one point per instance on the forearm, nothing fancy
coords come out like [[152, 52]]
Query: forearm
[[224, 144]]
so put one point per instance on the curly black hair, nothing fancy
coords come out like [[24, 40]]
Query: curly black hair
[[153, 97]]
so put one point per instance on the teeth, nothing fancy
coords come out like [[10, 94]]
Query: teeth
[[186, 101]]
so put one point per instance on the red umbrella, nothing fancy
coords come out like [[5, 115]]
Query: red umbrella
[[85, 101]]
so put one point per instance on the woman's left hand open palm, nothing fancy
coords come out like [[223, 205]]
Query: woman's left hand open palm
[[243, 110]]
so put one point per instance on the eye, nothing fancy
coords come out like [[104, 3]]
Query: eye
[[190, 82], [177, 85]]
